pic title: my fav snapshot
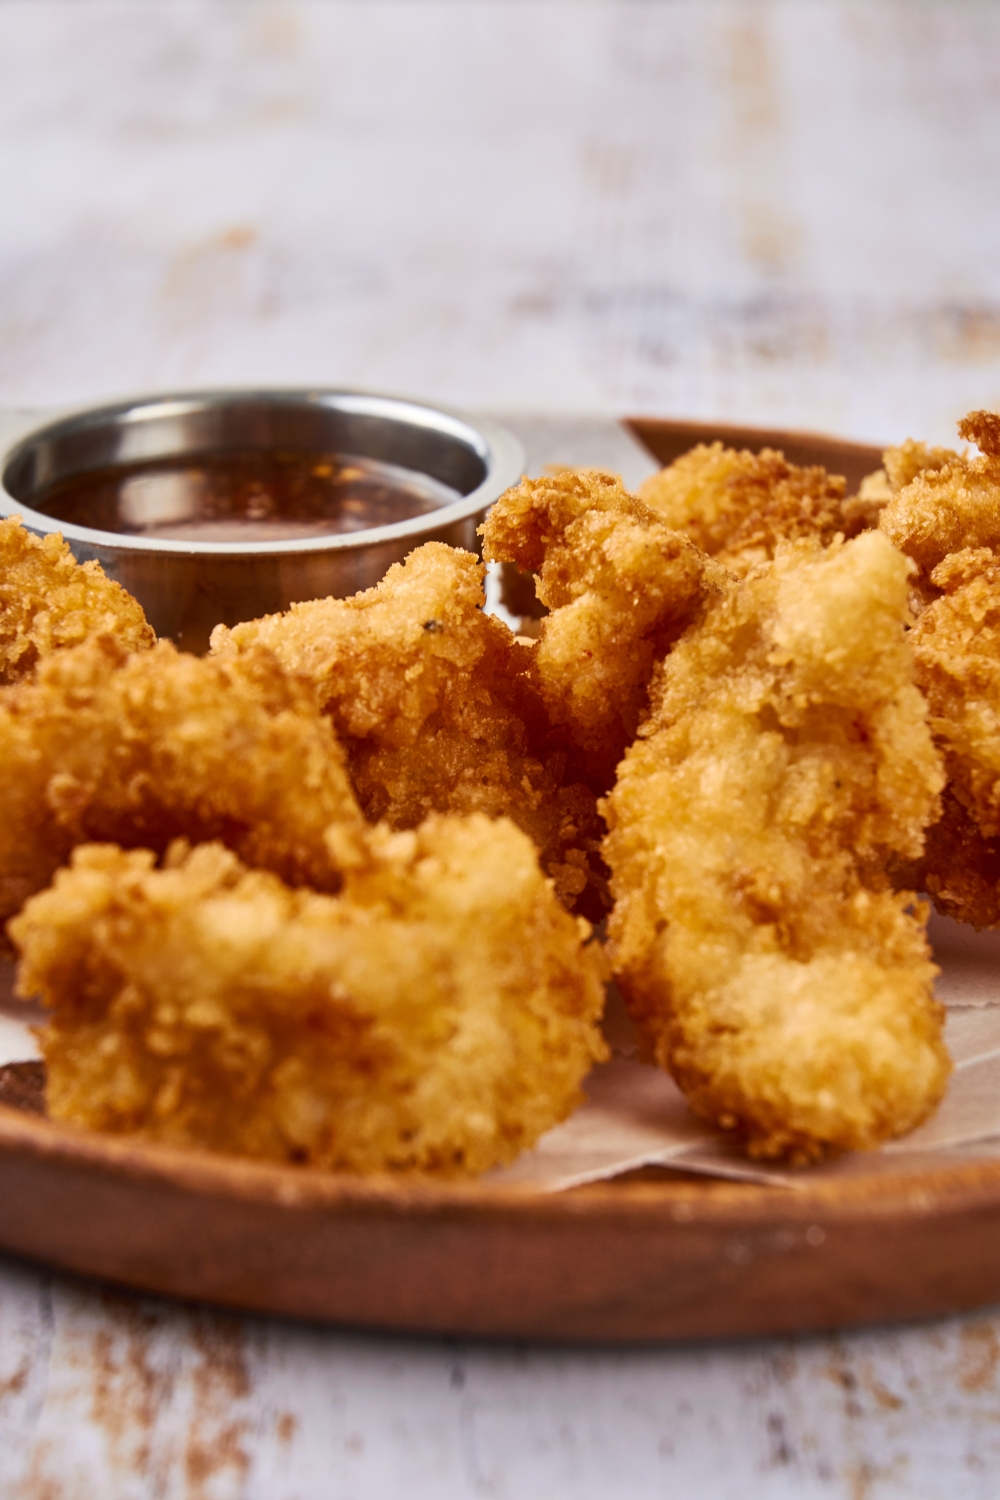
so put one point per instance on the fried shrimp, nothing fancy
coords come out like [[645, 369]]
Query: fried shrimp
[[738, 506], [953, 503], [945, 514], [620, 587], [49, 601], [439, 1014], [141, 749], [787, 755], [900, 466], [956, 645], [434, 703], [903, 464]]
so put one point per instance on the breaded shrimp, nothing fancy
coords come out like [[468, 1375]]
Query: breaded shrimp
[[787, 755], [142, 749], [440, 1014], [945, 514], [435, 705], [904, 463], [49, 601], [738, 506], [900, 466], [620, 587], [956, 644], [953, 505]]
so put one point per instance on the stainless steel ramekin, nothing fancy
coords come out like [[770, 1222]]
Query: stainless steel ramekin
[[187, 587]]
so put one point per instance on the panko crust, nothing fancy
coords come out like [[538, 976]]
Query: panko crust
[[786, 756], [946, 516], [141, 749], [905, 462], [951, 504], [737, 506], [956, 645], [49, 601], [440, 1014], [900, 466], [435, 705], [620, 587]]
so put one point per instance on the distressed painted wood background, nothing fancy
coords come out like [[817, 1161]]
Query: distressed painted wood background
[[781, 211]]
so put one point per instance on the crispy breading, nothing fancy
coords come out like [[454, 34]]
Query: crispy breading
[[434, 703], [951, 505], [440, 1014], [959, 868], [141, 749], [737, 506], [905, 462], [956, 644], [620, 587], [945, 514], [983, 429], [49, 601], [900, 466], [787, 755]]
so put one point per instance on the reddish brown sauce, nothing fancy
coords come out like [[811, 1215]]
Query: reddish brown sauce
[[243, 497]]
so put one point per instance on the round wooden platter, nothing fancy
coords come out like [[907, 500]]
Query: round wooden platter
[[657, 1255], [668, 1257]]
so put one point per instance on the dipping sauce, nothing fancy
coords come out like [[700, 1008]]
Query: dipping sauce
[[244, 496]]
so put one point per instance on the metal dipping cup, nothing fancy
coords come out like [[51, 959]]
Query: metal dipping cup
[[187, 587]]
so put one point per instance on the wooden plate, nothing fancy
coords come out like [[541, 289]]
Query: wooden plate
[[655, 1256]]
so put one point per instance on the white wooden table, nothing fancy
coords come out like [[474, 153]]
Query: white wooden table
[[782, 213]]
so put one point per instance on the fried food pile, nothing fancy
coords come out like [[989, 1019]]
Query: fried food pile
[[322, 895], [438, 1013], [233, 954], [769, 821]]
